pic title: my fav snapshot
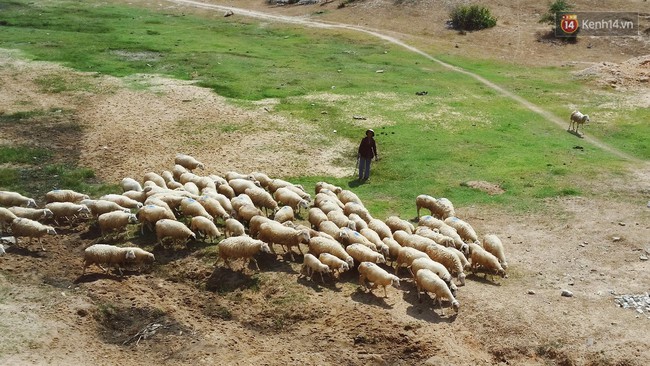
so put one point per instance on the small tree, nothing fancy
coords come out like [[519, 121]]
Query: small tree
[[557, 6], [472, 17]]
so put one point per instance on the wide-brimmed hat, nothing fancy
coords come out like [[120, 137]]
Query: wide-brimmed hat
[[370, 130]]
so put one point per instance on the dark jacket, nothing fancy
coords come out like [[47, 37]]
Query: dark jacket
[[367, 148]]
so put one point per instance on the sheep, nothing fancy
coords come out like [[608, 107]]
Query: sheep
[[275, 184], [348, 236], [233, 228], [328, 206], [139, 196], [359, 223], [223, 200], [486, 261], [283, 235], [2, 250], [493, 244], [327, 195], [235, 175], [6, 217], [435, 267], [407, 255], [443, 228], [115, 221], [348, 196], [362, 253], [255, 222], [336, 265], [22, 227], [67, 210], [464, 229], [440, 208], [262, 178], [320, 244], [177, 171], [262, 199], [339, 218], [353, 207], [149, 215], [110, 255], [330, 228], [64, 195], [226, 190], [9, 199], [177, 231], [213, 207], [448, 259], [414, 241], [285, 213], [395, 223], [375, 239], [324, 185], [377, 276], [312, 264], [191, 187], [315, 216], [207, 228], [240, 185], [247, 212], [576, 120], [155, 178], [192, 207], [290, 198], [427, 281], [188, 162], [393, 248], [167, 176], [122, 200], [241, 247], [434, 235], [189, 177], [241, 200], [141, 256], [36, 214], [299, 191], [380, 228], [100, 207], [130, 184]]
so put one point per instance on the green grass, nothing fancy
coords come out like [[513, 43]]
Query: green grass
[[460, 131]]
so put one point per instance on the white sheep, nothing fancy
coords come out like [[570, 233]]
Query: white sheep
[[440, 208], [236, 247], [434, 234], [375, 239], [285, 236], [130, 184], [177, 171], [6, 217], [284, 213], [192, 207], [380, 228], [36, 214], [435, 267], [108, 255], [406, 256], [347, 236], [96, 207], [155, 178], [443, 228], [328, 206], [336, 264], [225, 189], [320, 244], [427, 281], [149, 215], [327, 195], [329, 228], [324, 185], [205, 227], [140, 196], [64, 195], [493, 244], [448, 259], [395, 223], [481, 259], [141, 256], [173, 229], [576, 120], [299, 191], [67, 210], [191, 187], [288, 197], [8, 199], [262, 199], [359, 223], [376, 275], [233, 228], [255, 222], [340, 219], [122, 200], [230, 175], [262, 178], [247, 212], [414, 241], [27, 228], [223, 200], [312, 264], [348, 196], [362, 253], [115, 221], [241, 200], [214, 207], [315, 216], [188, 162], [240, 185], [464, 229], [353, 207], [393, 249], [275, 184]]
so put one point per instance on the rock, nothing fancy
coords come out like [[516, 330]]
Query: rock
[[531, 292], [643, 258], [8, 239], [567, 293], [621, 224], [616, 238]]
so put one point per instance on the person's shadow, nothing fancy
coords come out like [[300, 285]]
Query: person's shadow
[[355, 183]]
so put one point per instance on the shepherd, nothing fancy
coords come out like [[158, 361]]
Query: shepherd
[[367, 151]]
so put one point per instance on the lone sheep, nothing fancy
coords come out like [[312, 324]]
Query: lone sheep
[[577, 119]]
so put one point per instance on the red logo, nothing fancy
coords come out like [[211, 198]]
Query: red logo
[[569, 23]]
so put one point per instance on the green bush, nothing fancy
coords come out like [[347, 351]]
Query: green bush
[[472, 17], [557, 6]]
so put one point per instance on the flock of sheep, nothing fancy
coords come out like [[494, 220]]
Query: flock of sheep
[[257, 214]]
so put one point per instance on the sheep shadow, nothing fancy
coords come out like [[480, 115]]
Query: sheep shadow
[[224, 279], [317, 285], [370, 298], [270, 262], [576, 133], [474, 276], [25, 252], [95, 276], [425, 309]]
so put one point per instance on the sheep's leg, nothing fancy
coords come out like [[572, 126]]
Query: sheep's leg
[[40, 242], [321, 277], [254, 260], [385, 293]]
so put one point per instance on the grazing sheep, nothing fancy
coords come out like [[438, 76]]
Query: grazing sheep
[[6, 218], [329, 228], [320, 244], [262, 178], [285, 236], [435, 235], [64, 195], [27, 228], [235, 175], [375, 239], [240, 185], [348, 236], [393, 249], [189, 177], [380, 228], [348, 196], [213, 207], [339, 218], [36, 214], [481, 259], [192, 207], [67, 210], [395, 223], [109, 255], [177, 171], [427, 281], [448, 259], [141, 256], [377, 276], [285, 213], [406, 256], [140, 196], [176, 230], [98, 207], [336, 265], [328, 206], [312, 264], [155, 178], [207, 228], [225, 189], [149, 215], [414, 241], [262, 199], [362, 253], [191, 187], [359, 223], [493, 244], [223, 200], [324, 185], [255, 222], [353, 207], [461, 257], [115, 221], [188, 162], [444, 229], [464, 230], [122, 200], [247, 212], [315, 216], [241, 200], [234, 228], [290, 198], [243, 247], [435, 267], [9, 199], [299, 191], [275, 184], [327, 195], [130, 184], [576, 120], [440, 208]]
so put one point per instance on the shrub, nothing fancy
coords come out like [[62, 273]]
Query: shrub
[[472, 17], [557, 6]]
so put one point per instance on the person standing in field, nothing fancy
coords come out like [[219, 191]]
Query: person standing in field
[[367, 151]]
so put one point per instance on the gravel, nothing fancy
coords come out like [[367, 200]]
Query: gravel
[[640, 303]]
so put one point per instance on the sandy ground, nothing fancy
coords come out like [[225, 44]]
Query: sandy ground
[[199, 313]]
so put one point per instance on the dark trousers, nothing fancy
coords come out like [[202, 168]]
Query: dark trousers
[[364, 168]]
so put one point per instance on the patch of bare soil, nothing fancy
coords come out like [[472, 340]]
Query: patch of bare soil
[[187, 309], [487, 187]]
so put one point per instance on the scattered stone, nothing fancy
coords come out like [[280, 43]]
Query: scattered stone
[[582, 245], [648, 204], [621, 224], [640, 303], [379, 71], [616, 238], [643, 258], [567, 293], [82, 312], [228, 13], [359, 117], [531, 292]]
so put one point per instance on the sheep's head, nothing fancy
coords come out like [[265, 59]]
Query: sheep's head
[[50, 230], [264, 247], [350, 262], [395, 281], [585, 119], [133, 219], [47, 213], [31, 203], [455, 305], [129, 255], [381, 259]]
